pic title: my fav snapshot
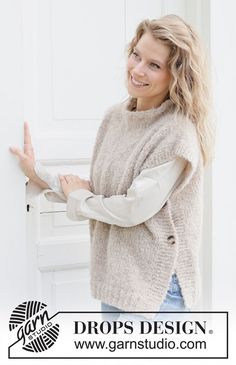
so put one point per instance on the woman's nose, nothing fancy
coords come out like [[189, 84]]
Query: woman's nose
[[139, 69]]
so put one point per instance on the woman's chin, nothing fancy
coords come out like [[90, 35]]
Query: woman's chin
[[134, 93]]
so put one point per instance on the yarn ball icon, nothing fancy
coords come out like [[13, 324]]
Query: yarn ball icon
[[33, 326]]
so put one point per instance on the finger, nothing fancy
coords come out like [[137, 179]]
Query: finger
[[62, 180], [68, 178], [28, 150], [27, 136], [28, 147], [64, 177], [17, 151]]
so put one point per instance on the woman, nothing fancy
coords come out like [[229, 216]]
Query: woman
[[144, 198]]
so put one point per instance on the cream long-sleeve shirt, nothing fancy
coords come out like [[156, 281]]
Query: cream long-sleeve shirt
[[145, 197]]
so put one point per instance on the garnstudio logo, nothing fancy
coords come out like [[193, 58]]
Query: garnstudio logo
[[33, 326]]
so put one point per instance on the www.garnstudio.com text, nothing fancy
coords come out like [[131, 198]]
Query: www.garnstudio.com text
[[144, 328]]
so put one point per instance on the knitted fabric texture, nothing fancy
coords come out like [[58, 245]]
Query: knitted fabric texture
[[132, 266]]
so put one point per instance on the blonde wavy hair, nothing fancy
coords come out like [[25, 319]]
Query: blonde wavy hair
[[189, 87]]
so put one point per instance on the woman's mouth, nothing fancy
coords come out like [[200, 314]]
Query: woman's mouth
[[137, 84]]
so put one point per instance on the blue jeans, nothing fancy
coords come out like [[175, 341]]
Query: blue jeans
[[172, 302]]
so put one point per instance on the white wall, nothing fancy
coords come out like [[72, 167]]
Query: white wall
[[13, 280], [223, 46]]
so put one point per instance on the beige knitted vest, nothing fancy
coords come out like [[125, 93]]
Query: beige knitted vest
[[131, 267]]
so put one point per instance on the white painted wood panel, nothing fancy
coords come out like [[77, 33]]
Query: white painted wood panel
[[80, 73]]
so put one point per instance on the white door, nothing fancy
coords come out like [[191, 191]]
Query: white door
[[71, 57]]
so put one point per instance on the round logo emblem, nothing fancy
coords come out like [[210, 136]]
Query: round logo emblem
[[33, 326]]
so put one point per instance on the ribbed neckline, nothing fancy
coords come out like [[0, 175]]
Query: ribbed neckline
[[144, 116]]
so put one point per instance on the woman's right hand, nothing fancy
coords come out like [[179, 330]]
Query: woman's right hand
[[26, 157]]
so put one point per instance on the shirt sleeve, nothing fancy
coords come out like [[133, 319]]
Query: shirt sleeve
[[145, 197], [54, 193]]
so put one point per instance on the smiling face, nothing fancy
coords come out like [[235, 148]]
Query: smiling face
[[148, 77]]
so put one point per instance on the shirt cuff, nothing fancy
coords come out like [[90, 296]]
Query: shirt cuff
[[74, 201], [54, 193], [51, 179], [32, 192]]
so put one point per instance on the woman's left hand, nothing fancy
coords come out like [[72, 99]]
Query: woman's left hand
[[71, 183]]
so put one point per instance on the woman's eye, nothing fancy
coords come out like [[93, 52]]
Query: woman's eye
[[135, 54], [153, 64], [156, 66]]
